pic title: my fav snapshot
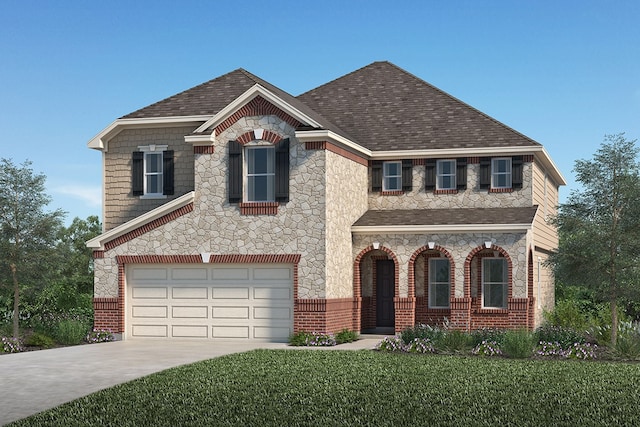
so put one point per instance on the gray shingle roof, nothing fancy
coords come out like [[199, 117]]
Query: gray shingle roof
[[459, 216], [386, 108]]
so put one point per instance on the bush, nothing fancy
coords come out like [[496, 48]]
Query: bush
[[99, 335], [11, 345], [487, 348], [70, 332], [395, 344], [433, 333], [345, 336], [312, 339], [568, 314], [628, 342], [420, 345], [519, 344], [564, 336], [454, 342], [487, 335], [38, 339]]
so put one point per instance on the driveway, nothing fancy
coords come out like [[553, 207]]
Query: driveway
[[35, 381]]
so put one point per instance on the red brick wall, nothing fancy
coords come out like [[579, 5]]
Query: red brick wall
[[323, 315]]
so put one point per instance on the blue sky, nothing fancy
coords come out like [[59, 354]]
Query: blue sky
[[564, 73]]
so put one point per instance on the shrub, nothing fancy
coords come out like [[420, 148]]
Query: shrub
[[299, 339], [433, 333], [38, 339], [313, 339], [487, 348], [565, 336], [12, 345], [550, 349], [420, 345], [487, 334], [569, 314], [394, 343], [582, 351], [628, 342], [70, 332], [454, 342], [345, 336], [99, 335], [519, 344]]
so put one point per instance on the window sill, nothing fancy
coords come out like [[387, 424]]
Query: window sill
[[448, 191], [439, 309], [153, 196], [501, 190], [259, 208], [392, 193], [493, 311]]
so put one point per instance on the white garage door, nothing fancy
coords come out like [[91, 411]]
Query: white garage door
[[235, 301]]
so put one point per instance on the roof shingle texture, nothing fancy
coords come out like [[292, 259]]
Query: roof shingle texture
[[458, 216], [381, 107]]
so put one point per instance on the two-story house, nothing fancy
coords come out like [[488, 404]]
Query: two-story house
[[234, 210]]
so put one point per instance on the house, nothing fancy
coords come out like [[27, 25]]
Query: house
[[234, 210]]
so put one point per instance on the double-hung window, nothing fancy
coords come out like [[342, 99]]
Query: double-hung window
[[392, 176], [152, 171], [260, 177], [439, 283], [501, 172], [446, 174], [494, 283]]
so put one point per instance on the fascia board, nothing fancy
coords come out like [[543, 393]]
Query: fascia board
[[248, 95], [200, 139], [99, 141], [327, 135], [97, 243], [435, 229]]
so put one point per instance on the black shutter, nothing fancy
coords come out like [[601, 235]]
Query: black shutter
[[516, 172], [461, 173], [282, 171], [376, 175], [235, 172], [430, 175], [407, 175], [485, 172], [137, 173], [167, 172]]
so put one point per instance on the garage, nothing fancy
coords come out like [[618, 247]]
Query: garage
[[219, 302]]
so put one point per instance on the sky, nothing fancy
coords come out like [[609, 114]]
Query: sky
[[564, 73]]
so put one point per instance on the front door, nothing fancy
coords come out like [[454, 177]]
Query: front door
[[385, 289]]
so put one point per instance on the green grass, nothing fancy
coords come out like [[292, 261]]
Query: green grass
[[327, 388]]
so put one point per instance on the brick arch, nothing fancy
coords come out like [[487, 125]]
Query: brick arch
[[467, 267], [258, 106], [416, 254], [267, 135]]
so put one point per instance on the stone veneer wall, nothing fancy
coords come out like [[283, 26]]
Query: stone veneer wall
[[472, 197], [120, 206], [218, 227]]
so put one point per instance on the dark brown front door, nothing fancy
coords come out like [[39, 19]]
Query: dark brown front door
[[385, 288]]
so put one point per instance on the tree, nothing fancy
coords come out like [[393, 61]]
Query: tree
[[27, 233], [76, 268], [599, 226]]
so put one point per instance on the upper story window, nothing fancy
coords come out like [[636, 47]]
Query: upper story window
[[446, 174], [439, 283], [260, 176], [152, 171], [258, 172], [495, 284], [501, 172], [392, 176]]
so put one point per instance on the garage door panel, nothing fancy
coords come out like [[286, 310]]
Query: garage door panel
[[230, 331], [230, 312], [197, 312], [282, 313], [189, 331], [272, 273], [182, 292], [149, 273], [149, 292], [149, 311], [159, 331], [189, 274], [230, 274], [272, 293], [272, 333], [230, 293]]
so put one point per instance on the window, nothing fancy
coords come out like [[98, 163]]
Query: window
[[392, 176], [260, 179], [152, 171], [501, 172], [439, 283], [494, 283], [446, 174]]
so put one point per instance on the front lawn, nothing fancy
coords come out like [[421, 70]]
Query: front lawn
[[300, 387]]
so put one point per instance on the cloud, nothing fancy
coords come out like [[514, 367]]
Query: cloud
[[92, 195]]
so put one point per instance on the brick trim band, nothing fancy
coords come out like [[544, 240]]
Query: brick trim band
[[203, 149], [325, 145], [213, 259]]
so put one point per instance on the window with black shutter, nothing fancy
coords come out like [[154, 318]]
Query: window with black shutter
[[137, 173], [235, 172], [282, 171], [516, 172], [461, 174], [376, 175], [407, 175], [152, 171], [430, 175], [485, 172]]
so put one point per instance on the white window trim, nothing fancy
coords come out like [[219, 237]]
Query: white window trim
[[151, 149], [507, 173], [505, 284], [452, 174], [385, 176], [245, 170], [429, 283]]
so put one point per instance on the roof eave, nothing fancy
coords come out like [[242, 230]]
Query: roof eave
[[330, 136], [435, 229]]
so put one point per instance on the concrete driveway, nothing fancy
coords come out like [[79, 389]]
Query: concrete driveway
[[35, 381]]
